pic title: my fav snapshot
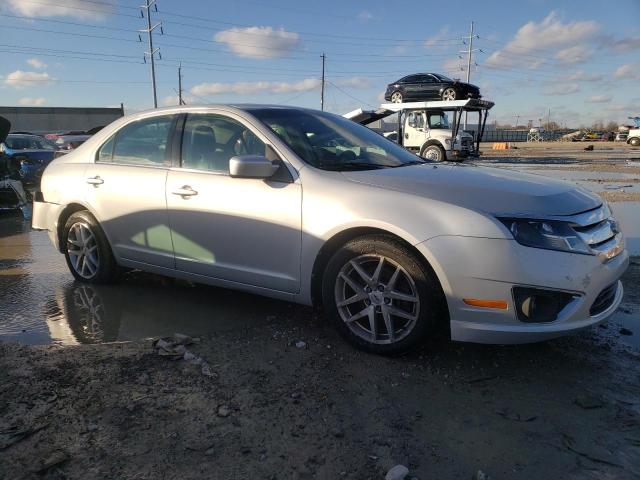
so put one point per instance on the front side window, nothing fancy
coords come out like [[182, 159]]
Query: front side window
[[143, 142], [331, 142], [439, 120], [209, 141]]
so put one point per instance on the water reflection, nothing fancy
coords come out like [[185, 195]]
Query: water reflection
[[144, 305]]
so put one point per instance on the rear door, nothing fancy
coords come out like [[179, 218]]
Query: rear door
[[243, 230], [412, 87], [125, 188], [431, 87]]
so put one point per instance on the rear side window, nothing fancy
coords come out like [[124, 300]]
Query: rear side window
[[143, 142]]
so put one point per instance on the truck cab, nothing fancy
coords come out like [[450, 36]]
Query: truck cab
[[428, 133]]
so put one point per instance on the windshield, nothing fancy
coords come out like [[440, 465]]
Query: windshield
[[330, 142], [438, 120], [25, 142]]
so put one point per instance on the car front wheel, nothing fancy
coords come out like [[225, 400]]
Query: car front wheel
[[381, 298], [635, 142], [87, 250], [449, 94]]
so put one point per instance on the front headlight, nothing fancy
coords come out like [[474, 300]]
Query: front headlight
[[547, 234]]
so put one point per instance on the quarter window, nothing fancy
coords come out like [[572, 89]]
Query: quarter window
[[105, 154], [210, 141], [143, 142]]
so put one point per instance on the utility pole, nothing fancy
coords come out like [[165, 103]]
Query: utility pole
[[180, 101], [469, 51], [517, 119], [151, 53], [323, 56]]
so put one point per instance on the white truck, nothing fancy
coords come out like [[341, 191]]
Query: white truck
[[633, 138], [424, 127]]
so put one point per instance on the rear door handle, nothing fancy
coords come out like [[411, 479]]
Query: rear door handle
[[184, 191], [95, 180]]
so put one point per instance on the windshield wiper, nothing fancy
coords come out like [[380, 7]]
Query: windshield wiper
[[412, 162], [364, 165]]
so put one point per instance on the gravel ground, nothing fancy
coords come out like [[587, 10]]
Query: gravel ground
[[289, 399], [269, 391]]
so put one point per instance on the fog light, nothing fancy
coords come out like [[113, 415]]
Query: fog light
[[534, 305]]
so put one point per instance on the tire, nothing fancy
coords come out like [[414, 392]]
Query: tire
[[410, 306], [87, 250], [397, 97], [634, 142], [434, 152], [449, 94]]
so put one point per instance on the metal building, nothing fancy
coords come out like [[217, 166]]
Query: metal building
[[58, 119]]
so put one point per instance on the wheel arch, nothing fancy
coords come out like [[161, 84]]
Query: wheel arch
[[339, 239], [429, 143], [64, 215]]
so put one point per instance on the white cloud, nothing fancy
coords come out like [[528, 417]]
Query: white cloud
[[35, 63], [581, 76], [622, 45], [259, 42], [550, 33], [365, 16], [599, 99], [19, 79], [628, 70], [173, 100], [31, 102], [575, 54], [61, 8], [564, 89], [253, 88], [441, 40]]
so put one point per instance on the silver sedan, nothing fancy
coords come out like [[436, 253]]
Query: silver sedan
[[312, 208]]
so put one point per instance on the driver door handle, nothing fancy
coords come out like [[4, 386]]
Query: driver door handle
[[95, 180], [184, 191]]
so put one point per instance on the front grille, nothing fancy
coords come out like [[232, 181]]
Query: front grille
[[8, 198], [604, 300], [597, 229]]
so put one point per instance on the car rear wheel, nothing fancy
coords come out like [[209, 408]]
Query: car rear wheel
[[434, 152], [396, 97], [449, 94], [87, 250], [381, 298]]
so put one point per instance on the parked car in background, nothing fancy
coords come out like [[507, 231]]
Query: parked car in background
[[429, 86], [71, 141], [12, 194], [32, 151], [391, 245]]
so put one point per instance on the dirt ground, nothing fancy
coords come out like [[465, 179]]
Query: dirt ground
[[274, 408], [269, 391]]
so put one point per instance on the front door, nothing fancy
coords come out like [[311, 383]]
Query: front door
[[242, 230], [414, 131], [126, 190]]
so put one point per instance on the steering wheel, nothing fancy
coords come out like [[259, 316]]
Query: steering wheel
[[347, 156]]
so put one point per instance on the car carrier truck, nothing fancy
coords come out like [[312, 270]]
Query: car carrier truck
[[425, 128]]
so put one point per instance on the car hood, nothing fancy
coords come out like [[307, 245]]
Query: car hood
[[487, 189]]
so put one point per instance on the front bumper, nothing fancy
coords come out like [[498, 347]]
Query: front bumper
[[489, 268]]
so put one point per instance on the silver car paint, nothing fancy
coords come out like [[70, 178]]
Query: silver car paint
[[445, 212]]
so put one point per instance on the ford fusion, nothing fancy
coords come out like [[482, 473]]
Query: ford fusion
[[312, 208]]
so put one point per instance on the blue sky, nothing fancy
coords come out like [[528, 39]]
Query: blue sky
[[581, 60]]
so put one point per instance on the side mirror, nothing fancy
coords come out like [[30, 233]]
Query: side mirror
[[251, 166], [412, 123]]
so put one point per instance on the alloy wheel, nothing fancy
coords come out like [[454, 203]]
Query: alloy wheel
[[396, 97], [377, 299], [449, 94], [82, 249]]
